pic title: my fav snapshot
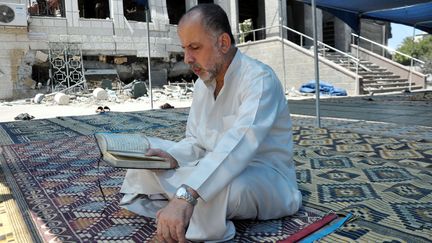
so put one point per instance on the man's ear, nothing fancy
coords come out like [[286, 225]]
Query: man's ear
[[224, 42]]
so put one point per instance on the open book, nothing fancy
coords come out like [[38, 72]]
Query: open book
[[127, 150]]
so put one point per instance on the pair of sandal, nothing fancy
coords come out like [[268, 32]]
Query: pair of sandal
[[166, 106], [24, 117], [101, 109]]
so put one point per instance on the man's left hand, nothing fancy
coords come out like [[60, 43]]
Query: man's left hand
[[172, 221]]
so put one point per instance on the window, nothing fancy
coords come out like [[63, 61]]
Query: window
[[95, 9], [176, 9], [134, 11], [54, 8]]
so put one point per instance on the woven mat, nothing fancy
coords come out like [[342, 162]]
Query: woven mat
[[384, 181], [381, 172], [160, 123], [168, 123], [62, 200], [382, 129]]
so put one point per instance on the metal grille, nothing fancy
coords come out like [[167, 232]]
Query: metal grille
[[66, 67]]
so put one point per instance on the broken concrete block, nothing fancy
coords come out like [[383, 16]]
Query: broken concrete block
[[138, 89], [100, 94], [61, 99], [106, 84], [120, 60], [41, 57], [38, 98]]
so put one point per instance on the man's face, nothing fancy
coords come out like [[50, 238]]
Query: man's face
[[201, 49]]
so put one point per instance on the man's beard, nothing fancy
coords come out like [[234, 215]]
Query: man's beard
[[208, 75]]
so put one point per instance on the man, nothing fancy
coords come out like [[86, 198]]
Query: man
[[236, 160]]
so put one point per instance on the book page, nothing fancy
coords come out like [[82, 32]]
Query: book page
[[134, 143]]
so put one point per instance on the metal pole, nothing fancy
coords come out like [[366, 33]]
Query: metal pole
[[283, 45], [412, 61], [148, 56], [317, 88], [358, 91], [383, 39]]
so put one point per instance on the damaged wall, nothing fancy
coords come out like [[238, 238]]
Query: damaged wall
[[11, 56], [136, 69], [114, 36]]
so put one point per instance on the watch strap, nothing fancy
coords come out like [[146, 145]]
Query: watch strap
[[187, 196]]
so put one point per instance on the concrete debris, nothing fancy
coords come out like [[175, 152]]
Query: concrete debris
[[173, 93], [100, 94], [179, 90], [139, 89], [41, 57], [61, 99], [38, 98]]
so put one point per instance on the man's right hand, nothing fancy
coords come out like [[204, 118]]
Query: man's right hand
[[162, 154]]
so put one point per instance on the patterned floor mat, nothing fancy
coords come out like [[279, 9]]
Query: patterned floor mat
[[63, 202], [392, 201], [161, 123], [34, 130], [366, 168], [367, 127]]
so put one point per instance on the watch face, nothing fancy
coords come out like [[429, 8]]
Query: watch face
[[181, 192]]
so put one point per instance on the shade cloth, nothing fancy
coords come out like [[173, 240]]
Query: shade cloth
[[416, 13]]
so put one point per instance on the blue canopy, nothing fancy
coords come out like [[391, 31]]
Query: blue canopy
[[416, 13], [419, 16]]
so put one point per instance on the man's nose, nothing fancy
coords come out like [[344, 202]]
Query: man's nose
[[188, 58]]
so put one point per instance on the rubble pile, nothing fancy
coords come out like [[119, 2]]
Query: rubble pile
[[99, 96]]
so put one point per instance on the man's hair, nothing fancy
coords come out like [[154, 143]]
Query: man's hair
[[213, 18]]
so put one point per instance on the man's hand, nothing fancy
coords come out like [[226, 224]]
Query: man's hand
[[160, 153], [172, 221]]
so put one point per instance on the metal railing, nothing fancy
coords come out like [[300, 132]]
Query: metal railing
[[347, 59], [242, 35], [383, 48], [323, 48], [413, 61]]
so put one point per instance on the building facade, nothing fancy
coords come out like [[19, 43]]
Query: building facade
[[114, 34]]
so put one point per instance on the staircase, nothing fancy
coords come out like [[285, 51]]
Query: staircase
[[375, 78]]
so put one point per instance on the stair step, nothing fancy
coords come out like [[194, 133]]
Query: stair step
[[335, 58], [376, 79], [378, 76], [364, 73], [346, 65], [385, 80], [393, 89], [377, 69], [389, 85]]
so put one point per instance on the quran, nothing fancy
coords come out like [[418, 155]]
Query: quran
[[127, 150]]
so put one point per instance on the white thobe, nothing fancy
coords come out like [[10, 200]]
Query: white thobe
[[237, 154]]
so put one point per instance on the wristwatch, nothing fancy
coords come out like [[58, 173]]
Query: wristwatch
[[183, 193]]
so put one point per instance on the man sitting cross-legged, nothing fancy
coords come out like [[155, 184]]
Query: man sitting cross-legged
[[236, 160]]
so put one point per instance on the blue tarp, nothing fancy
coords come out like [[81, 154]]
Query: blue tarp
[[325, 88], [416, 13]]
